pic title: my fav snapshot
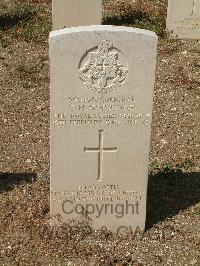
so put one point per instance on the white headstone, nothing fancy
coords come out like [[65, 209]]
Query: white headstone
[[183, 19], [102, 83], [71, 13]]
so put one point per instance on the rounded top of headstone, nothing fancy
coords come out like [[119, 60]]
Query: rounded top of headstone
[[102, 28]]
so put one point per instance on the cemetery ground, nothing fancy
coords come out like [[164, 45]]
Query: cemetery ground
[[173, 214]]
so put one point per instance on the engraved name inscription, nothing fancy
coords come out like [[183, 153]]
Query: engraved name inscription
[[101, 111], [188, 24]]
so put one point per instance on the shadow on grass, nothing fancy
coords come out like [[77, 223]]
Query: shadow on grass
[[139, 19], [133, 18], [9, 180], [169, 193], [12, 19]]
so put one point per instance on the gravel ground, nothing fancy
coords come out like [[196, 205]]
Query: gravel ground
[[173, 218]]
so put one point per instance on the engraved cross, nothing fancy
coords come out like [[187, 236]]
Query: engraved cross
[[100, 150], [194, 7], [107, 71]]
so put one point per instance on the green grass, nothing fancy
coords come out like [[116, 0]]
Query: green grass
[[198, 213], [170, 167]]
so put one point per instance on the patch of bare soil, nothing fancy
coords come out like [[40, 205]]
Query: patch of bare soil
[[173, 215]]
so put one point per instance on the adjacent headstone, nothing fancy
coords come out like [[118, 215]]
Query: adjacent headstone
[[102, 83], [183, 19], [71, 13]]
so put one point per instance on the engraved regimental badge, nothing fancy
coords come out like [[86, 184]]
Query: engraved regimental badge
[[101, 70]]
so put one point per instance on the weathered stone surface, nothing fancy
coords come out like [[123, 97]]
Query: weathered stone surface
[[183, 19], [102, 81], [71, 13]]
